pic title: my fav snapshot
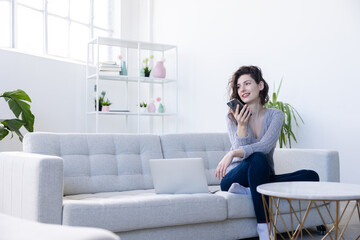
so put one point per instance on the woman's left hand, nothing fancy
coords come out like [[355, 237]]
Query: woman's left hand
[[223, 165]]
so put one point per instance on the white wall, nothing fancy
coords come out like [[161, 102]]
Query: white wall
[[56, 88], [135, 20], [314, 45]]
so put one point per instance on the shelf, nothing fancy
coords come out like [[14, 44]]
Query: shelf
[[133, 113], [131, 78], [134, 91], [131, 44]]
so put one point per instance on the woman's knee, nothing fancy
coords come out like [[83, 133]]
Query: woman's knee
[[225, 183], [313, 176], [224, 186], [259, 160]]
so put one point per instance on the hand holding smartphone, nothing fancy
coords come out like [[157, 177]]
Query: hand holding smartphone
[[233, 103]]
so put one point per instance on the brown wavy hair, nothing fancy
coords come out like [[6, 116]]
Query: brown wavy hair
[[256, 74]]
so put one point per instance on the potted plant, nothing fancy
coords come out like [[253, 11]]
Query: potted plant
[[101, 100], [17, 101], [143, 106], [106, 105], [147, 63], [290, 113]]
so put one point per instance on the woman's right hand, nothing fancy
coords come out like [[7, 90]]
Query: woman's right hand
[[242, 117], [220, 171]]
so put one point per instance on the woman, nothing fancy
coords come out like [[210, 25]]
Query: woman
[[253, 131]]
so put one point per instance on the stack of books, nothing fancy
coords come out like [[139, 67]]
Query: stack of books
[[109, 67]]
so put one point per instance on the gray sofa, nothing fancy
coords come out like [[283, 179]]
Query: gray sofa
[[13, 228], [104, 181]]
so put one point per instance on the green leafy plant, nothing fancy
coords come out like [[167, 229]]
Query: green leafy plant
[[17, 101], [101, 100], [290, 114], [147, 62], [143, 104], [106, 103]]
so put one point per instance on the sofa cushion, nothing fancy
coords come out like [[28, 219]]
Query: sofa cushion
[[209, 146], [99, 162], [139, 209]]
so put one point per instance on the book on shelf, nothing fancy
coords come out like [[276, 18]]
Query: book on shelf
[[109, 69], [109, 73], [109, 66], [108, 63]]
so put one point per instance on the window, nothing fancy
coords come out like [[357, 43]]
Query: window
[[5, 24], [56, 27], [30, 33]]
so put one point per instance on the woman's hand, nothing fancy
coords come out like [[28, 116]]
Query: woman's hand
[[223, 165], [242, 117]]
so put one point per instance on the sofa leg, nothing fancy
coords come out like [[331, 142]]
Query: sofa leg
[[321, 229]]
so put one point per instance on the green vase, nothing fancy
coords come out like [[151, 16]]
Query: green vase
[[123, 68], [161, 108]]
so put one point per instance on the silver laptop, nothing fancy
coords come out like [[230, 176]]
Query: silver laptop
[[179, 175]]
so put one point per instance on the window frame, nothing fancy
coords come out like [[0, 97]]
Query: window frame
[[11, 20], [45, 14]]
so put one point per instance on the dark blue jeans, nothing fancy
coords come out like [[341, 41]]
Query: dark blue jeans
[[254, 171]]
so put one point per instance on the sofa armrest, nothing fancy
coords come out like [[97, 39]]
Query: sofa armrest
[[31, 186], [15, 228], [324, 162]]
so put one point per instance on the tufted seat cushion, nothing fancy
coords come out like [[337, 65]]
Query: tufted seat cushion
[[99, 162], [211, 147], [142, 208]]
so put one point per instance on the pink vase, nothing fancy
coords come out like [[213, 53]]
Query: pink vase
[[151, 108], [105, 108], [159, 70]]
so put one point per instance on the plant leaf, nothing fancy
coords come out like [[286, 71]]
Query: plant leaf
[[290, 114], [283, 139], [16, 100], [297, 114], [274, 97], [294, 115], [278, 91], [3, 131], [18, 94], [293, 136], [14, 125]]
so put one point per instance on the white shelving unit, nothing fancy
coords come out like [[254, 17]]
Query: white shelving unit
[[95, 76]]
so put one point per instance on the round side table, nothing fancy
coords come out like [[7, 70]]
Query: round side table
[[313, 192]]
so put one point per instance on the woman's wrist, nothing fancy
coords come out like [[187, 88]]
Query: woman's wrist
[[232, 153], [241, 131], [237, 153]]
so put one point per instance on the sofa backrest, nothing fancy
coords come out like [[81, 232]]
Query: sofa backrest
[[324, 162], [209, 146], [99, 162]]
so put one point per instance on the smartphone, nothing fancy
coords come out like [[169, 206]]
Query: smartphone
[[233, 103]]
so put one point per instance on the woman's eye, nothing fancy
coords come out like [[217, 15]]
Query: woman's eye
[[247, 84]]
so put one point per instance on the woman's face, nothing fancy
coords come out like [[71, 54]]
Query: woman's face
[[248, 89]]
